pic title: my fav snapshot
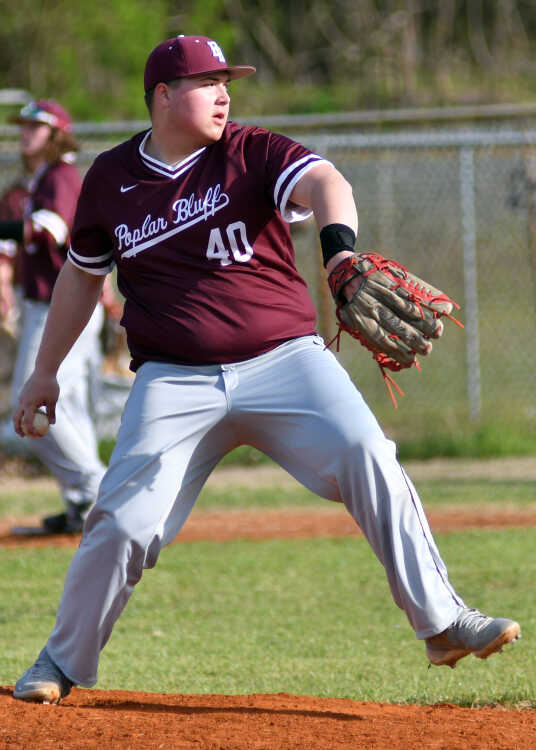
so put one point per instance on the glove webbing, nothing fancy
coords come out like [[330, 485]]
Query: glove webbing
[[417, 293]]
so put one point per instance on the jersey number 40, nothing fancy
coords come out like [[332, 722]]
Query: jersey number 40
[[237, 244]]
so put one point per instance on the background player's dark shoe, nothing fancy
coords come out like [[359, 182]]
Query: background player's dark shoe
[[471, 633], [44, 682], [69, 522]]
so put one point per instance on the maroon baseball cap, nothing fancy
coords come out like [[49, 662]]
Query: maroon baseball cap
[[47, 111], [185, 56]]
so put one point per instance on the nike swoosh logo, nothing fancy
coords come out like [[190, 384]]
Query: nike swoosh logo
[[127, 188]]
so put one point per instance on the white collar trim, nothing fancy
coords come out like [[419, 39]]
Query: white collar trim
[[160, 167]]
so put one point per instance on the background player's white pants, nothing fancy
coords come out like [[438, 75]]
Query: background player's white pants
[[69, 449], [295, 403]]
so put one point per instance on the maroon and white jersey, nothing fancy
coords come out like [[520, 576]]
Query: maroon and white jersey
[[50, 210], [203, 248]]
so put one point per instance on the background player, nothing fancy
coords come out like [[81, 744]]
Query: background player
[[221, 329], [12, 202], [69, 449]]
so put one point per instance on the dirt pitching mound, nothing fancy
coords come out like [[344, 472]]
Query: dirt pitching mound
[[98, 719]]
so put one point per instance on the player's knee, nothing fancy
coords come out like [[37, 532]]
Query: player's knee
[[140, 547], [354, 440]]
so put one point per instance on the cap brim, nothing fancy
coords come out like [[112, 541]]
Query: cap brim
[[18, 120], [241, 71], [234, 71]]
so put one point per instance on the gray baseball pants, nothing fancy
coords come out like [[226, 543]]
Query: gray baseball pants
[[296, 404], [69, 449]]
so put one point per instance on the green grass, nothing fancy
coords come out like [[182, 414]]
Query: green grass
[[29, 502], [485, 441], [462, 492], [489, 440], [465, 492], [311, 617]]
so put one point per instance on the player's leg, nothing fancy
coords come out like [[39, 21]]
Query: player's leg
[[69, 449], [77, 376], [316, 424], [172, 434], [76, 443]]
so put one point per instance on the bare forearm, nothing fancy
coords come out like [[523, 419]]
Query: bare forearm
[[329, 195], [333, 202], [74, 298], [324, 190]]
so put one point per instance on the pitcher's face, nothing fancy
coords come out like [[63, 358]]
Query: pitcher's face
[[199, 106]]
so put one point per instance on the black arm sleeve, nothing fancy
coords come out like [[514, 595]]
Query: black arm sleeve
[[11, 230]]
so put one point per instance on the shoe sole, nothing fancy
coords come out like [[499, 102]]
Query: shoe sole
[[46, 692], [512, 633], [442, 658], [40, 531]]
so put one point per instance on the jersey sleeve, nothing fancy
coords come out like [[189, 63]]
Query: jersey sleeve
[[52, 211], [286, 163], [91, 247]]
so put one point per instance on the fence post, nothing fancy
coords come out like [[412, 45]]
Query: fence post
[[467, 199], [530, 169]]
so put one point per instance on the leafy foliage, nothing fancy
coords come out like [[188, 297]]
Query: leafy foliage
[[310, 56], [87, 55]]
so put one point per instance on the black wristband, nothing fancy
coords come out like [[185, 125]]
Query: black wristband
[[334, 238], [11, 230]]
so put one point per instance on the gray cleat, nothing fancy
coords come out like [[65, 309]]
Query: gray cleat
[[471, 633], [44, 682]]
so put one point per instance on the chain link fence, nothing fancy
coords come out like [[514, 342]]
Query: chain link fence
[[458, 207]]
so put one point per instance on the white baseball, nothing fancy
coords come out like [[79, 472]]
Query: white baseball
[[40, 424]]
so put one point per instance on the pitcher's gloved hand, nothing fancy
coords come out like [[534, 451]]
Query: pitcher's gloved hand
[[393, 313]]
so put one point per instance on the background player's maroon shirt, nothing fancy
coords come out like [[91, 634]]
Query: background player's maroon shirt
[[203, 249], [12, 203], [50, 208]]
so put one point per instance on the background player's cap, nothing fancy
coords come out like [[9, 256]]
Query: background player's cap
[[47, 111], [185, 56]]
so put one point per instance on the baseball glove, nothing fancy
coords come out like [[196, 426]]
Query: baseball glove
[[393, 312]]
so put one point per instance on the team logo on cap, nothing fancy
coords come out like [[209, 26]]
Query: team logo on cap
[[216, 51]]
